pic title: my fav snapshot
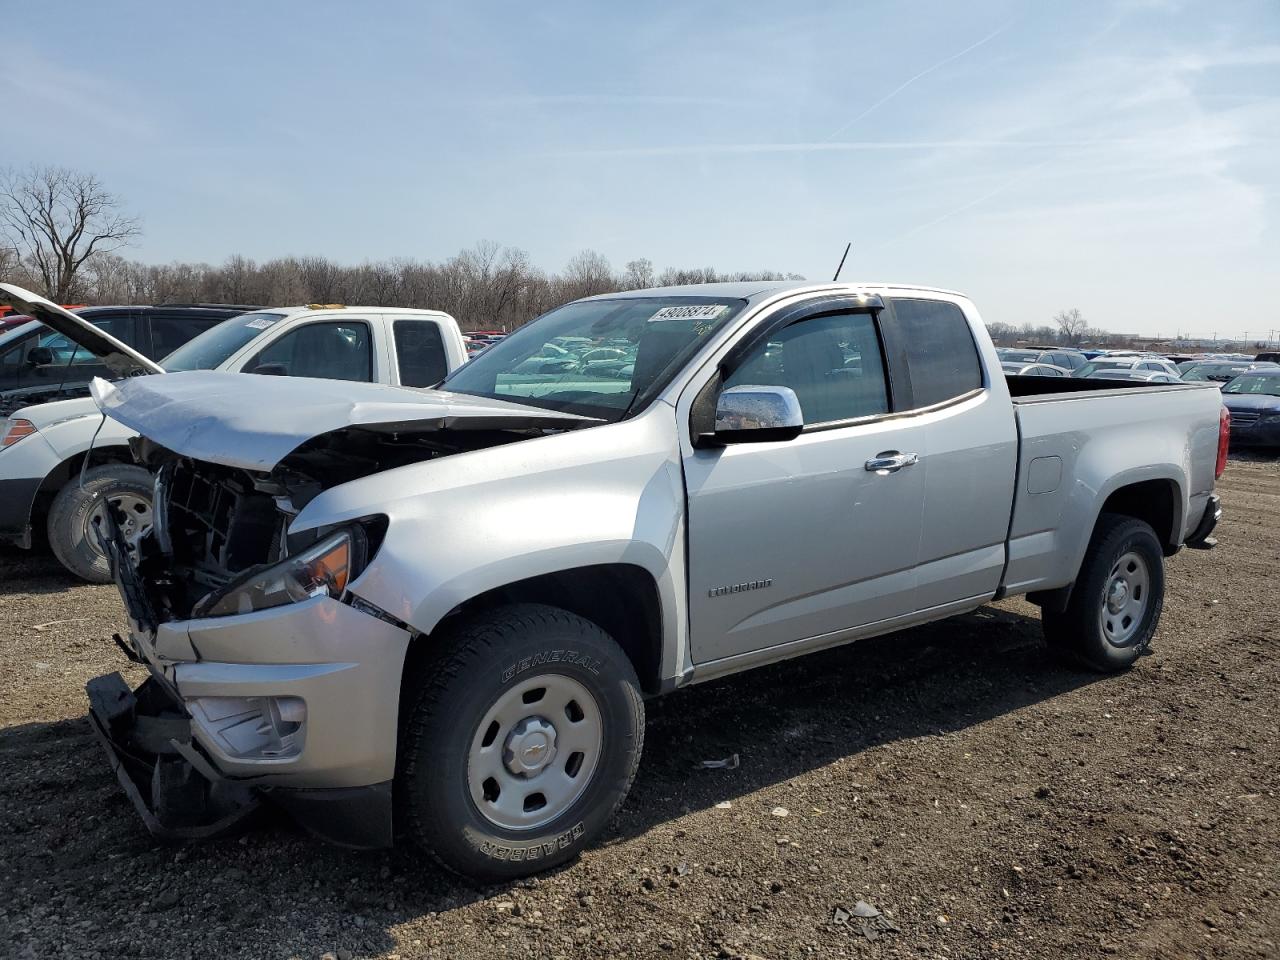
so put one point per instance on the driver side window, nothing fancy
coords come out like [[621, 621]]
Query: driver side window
[[833, 363]]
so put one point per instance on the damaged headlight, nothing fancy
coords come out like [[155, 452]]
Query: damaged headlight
[[324, 569]]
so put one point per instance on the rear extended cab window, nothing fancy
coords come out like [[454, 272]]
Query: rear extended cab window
[[934, 340], [420, 353]]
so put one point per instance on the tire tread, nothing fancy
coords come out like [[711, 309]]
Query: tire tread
[[476, 641], [1071, 634]]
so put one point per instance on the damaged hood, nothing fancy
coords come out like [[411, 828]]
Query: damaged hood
[[254, 422], [121, 359]]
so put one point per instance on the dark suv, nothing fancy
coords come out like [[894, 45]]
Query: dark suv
[[38, 365]]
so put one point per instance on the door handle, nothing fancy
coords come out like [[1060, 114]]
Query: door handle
[[891, 462]]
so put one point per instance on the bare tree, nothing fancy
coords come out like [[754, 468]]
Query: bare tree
[[10, 262], [639, 274], [57, 219], [1002, 333], [1072, 326], [587, 274]]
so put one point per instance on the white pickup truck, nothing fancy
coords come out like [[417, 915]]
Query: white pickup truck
[[45, 479], [452, 603]]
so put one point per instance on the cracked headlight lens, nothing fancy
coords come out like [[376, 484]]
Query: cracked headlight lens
[[321, 570]]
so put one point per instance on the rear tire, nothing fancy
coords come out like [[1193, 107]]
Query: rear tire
[[519, 743], [1116, 602], [73, 509]]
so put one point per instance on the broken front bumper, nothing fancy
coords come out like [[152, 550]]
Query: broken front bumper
[[297, 704], [181, 797], [147, 737]]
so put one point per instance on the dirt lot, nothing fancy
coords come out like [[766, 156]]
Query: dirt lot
[[990, 803]]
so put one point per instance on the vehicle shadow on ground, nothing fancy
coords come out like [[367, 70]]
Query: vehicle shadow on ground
[[33, 571], [800, 715], [69, 822]]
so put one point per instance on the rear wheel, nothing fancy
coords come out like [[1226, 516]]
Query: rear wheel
[[1116, 602], [521, 742], [74, 509]]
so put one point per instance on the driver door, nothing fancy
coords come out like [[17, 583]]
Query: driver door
[[804, 538]]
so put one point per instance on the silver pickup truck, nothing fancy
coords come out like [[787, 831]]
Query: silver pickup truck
[[451, 604]]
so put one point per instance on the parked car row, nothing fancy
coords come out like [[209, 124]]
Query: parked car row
[[477, 341], [1146, 367]]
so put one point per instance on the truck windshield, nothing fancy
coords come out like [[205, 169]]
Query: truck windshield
[[218, 344], [598, 358]]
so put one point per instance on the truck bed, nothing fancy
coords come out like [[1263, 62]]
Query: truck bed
[[1080, 439], [1036, 388]]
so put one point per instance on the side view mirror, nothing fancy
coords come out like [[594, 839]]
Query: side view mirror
[[39, 357], [757, 414], [270, 370]]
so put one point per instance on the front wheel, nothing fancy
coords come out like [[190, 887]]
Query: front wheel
[[520, 743], [1116, 602], [77, 506]]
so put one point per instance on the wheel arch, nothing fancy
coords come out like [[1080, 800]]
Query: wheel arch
[[1157, 501], [59, 476], [623, 599]]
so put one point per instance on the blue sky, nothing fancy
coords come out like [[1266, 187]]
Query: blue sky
[[1119, 156]]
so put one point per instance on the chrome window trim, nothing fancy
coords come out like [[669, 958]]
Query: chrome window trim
[[894, 414]]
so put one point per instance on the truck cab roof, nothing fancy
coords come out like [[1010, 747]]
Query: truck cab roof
[[759, 289]]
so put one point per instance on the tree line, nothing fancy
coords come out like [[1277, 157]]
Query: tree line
[[1067, 329], [61, 232], [486, 286]]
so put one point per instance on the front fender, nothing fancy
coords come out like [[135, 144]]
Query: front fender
[[462, 525], [73, 436]]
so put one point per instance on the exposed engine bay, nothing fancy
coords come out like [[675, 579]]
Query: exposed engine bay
[[216, 525]]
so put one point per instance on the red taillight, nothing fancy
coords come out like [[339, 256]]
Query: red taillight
[[17, 430], [1224, 440]]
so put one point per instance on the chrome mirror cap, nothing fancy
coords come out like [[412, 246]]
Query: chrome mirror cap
[[757, 414]]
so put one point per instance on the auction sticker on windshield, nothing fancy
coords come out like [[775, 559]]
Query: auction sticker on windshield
[[700, 311], [261, 323]]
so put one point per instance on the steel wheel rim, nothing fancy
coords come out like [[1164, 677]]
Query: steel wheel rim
[[1125, 598], [137, 518], [535, 752]]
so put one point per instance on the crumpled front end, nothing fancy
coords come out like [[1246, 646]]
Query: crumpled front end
[[282, 681], [289, 697]]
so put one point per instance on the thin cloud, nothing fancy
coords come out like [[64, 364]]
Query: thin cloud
[[975, 202], [36, 88], [604, 100], [847, 146], [923, 73]]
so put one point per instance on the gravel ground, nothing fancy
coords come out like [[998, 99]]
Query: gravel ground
[[990, 803]]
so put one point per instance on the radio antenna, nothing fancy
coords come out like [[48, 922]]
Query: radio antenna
[[842, 259]]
